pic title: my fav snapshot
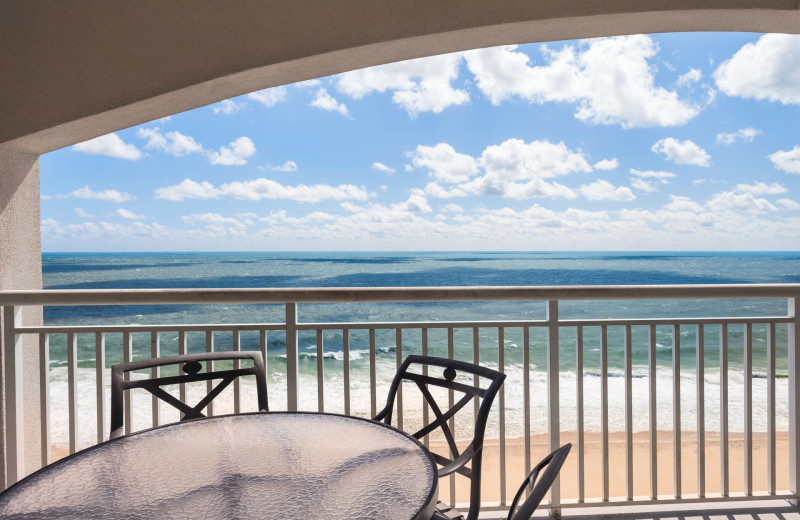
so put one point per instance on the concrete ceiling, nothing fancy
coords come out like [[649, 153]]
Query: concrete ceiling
[[71, 71]]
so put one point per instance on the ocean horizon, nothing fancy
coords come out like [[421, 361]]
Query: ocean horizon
[[408, 269]]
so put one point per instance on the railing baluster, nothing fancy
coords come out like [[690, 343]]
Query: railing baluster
[[748, 409], [793, 346], [676, 408], [292, 360], [209, 368], [321, 372], [14, 413], [425, 405], [100, 377], [580, 448], [701, 414], [262, 344], [450, 403], [182, 352], [723, 411], [155, 351], [237, 398], [346, 369], [653, 409], [553, 405], [398, 341], [526, 397], [44, 391], [373, 373], [628, 414], [604, 408], [127, 357], [501, 363], [72, 390], [771, 456]]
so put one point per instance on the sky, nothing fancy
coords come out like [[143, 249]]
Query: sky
[[646, 142]]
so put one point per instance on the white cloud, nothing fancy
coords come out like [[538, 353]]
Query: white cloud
[[81, 213], [610, 79], [768, 69], [420, 85], [650, 174], [789, 204], [762, 188], [235, 154], [444, 163], [607, 164], [125, 213], [416, 203], [325, 101], [729, 201], [382, 167], [270, 96], [683, 204], [745, 135], [453, 208], [228, 107], [788, 161], [288, 166], [682, 152], [693, 76], [643, 185], [172, 143], [604, 190], [260, 189], [107, 195], [309, 83], [214, 218], [111, 145]]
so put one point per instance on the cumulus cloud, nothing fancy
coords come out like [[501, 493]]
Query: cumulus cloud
[[744, 135], [172, 143], [643, 185], [420, 85], [788, 161], [607, 164], [604, 190], [650, 174], [762, 188], [288, 166], [444, 163], [107, 195], [228, 107], [325, 101], [382, 167], [128, 214], [731, 201], [259, 189], [693, 76], [768, 69], [682, 152], [235, 154], [270, 96], [83, 214], [610, 79], [110, 145], [789, 204]]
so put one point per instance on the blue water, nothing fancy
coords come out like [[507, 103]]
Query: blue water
[[240, 270]]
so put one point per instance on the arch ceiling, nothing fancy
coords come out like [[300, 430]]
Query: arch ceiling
[[72, 71]]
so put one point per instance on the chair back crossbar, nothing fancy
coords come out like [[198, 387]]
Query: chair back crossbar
[[538, 486], [487, 383], [191, 365]]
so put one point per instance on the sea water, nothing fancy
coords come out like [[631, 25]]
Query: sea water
[[380, 269]]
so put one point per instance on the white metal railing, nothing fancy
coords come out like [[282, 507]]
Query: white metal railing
[[556, 335]]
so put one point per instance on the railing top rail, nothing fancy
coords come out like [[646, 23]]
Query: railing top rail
[[395, 294]]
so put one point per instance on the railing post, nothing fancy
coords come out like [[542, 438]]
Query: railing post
[[794, 403], [553, 420], [291, 357], [14, 407]]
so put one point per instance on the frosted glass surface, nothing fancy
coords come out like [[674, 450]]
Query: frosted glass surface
[[273, 465]]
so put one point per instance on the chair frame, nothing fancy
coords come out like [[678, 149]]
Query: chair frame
[[153, 385], [538, 486], [474, 451]]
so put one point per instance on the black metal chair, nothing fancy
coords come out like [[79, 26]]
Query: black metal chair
[[192, 366], [538, 486], [483, 390]]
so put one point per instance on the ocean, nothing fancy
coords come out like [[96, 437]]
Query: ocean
[[404, 269]]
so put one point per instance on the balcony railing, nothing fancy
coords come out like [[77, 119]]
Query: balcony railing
[[562, 385]]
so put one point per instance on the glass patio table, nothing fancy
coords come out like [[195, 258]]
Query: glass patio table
[[261, 465]]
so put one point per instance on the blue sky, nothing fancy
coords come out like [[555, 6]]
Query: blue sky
[[647, 142]]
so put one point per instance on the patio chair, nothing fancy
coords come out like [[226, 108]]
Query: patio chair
[[482, 391], [538, 486], [191, 372]]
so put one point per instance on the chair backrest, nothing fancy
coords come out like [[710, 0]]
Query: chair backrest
[[191, 371], [467, 383], [538, 486]]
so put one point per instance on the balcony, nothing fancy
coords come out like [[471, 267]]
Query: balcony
[[649, 434]]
